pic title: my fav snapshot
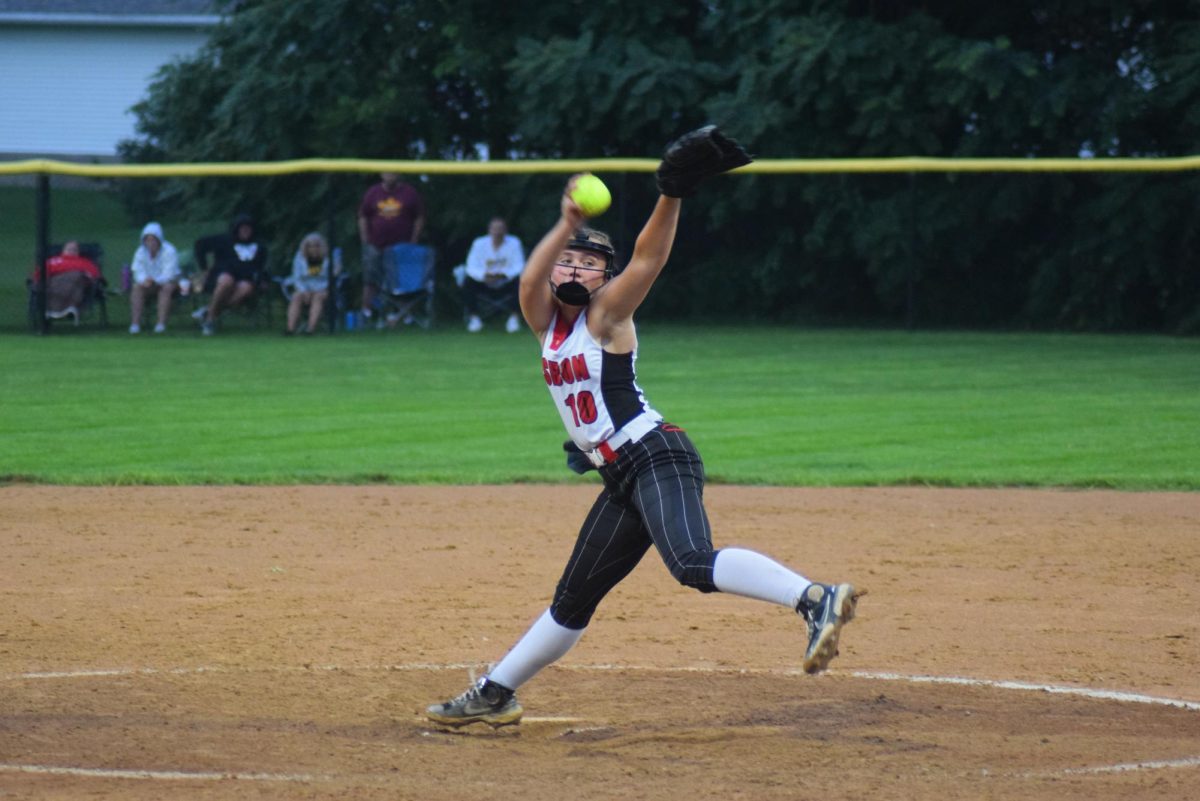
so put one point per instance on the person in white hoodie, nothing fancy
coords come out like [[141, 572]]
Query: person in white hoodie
[[155, 269]]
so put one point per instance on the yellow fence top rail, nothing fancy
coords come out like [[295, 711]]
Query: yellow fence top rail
[[766, 166]]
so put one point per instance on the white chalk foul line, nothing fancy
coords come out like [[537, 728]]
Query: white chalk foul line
[[184, 671], [1187, 762], [962, 681], [1121, 767], [176, 775], [1085, 692]]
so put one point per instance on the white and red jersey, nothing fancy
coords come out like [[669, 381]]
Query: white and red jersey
[[596, 392]]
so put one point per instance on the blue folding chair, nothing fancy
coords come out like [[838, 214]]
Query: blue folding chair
[[408, 285]]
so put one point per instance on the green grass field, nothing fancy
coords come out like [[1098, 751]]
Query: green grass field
[[765, 405]]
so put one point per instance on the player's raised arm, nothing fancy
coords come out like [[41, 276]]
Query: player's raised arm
[[625, 292], [686, 162], [537, 296]]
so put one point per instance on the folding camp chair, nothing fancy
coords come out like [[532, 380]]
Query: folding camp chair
[[338, 297], [408, 283], [95, 300], [258, 309], [488, 303]]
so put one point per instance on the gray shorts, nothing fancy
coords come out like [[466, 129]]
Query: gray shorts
[[372, 265]]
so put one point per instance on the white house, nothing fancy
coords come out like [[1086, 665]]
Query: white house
[[71, 69]]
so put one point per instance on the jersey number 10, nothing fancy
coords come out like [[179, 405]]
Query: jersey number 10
[[583, 407]]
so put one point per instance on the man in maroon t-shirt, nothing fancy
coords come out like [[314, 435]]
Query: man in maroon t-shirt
[[391, 212]]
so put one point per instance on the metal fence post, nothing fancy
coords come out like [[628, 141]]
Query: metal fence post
[[43, 250], [910, 303]]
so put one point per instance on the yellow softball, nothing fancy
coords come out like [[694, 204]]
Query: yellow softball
[[591, 195]]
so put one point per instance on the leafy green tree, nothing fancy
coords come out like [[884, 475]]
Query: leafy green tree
[[1047, 79], [817, 78], [309, 78]]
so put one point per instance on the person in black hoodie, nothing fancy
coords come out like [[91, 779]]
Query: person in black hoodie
[[239, 262]]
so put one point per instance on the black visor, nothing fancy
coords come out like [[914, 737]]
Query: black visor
[[578, 242]]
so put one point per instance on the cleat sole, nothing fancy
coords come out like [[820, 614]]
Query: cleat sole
[[826, 648], [510, 718]]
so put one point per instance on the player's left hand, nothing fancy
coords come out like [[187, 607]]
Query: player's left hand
[[576, 459], [695, 156]]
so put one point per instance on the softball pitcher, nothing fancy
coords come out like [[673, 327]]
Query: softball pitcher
[[580, 306]]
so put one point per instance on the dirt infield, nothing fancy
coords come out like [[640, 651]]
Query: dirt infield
[[222, 643]]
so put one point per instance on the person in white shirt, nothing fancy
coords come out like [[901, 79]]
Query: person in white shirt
[[494, 265], [155, 269]]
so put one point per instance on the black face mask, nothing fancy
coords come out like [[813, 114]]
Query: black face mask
[[572, 293]]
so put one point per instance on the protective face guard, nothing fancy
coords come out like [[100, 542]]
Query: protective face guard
[[572, 292]]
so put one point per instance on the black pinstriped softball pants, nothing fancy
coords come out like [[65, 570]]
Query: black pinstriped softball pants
[[653, 494]]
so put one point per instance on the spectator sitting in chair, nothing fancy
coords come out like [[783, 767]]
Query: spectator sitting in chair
[[391, 213], [155, 270], [309, 283], [494, 265], [70, 278], [239, 264]]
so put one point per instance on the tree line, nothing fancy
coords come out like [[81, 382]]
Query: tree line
[[426, 79]]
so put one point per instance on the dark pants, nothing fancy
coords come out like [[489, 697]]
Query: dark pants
[[481, 299], [653, 495], [68, 289]]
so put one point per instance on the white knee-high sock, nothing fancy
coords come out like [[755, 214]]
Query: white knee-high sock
[[742, 572], [544, 643]]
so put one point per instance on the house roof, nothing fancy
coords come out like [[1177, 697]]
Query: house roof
[[110, 12]]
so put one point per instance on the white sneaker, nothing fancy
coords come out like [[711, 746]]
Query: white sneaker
[[159, 328], [513, 325], [135, 329], [199, 314], [70, 311], [474, 325]]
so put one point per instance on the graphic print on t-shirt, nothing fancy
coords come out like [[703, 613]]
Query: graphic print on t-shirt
[[389, 208], [245, 252]]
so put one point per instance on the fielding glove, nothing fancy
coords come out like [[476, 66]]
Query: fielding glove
[[695, 156]]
